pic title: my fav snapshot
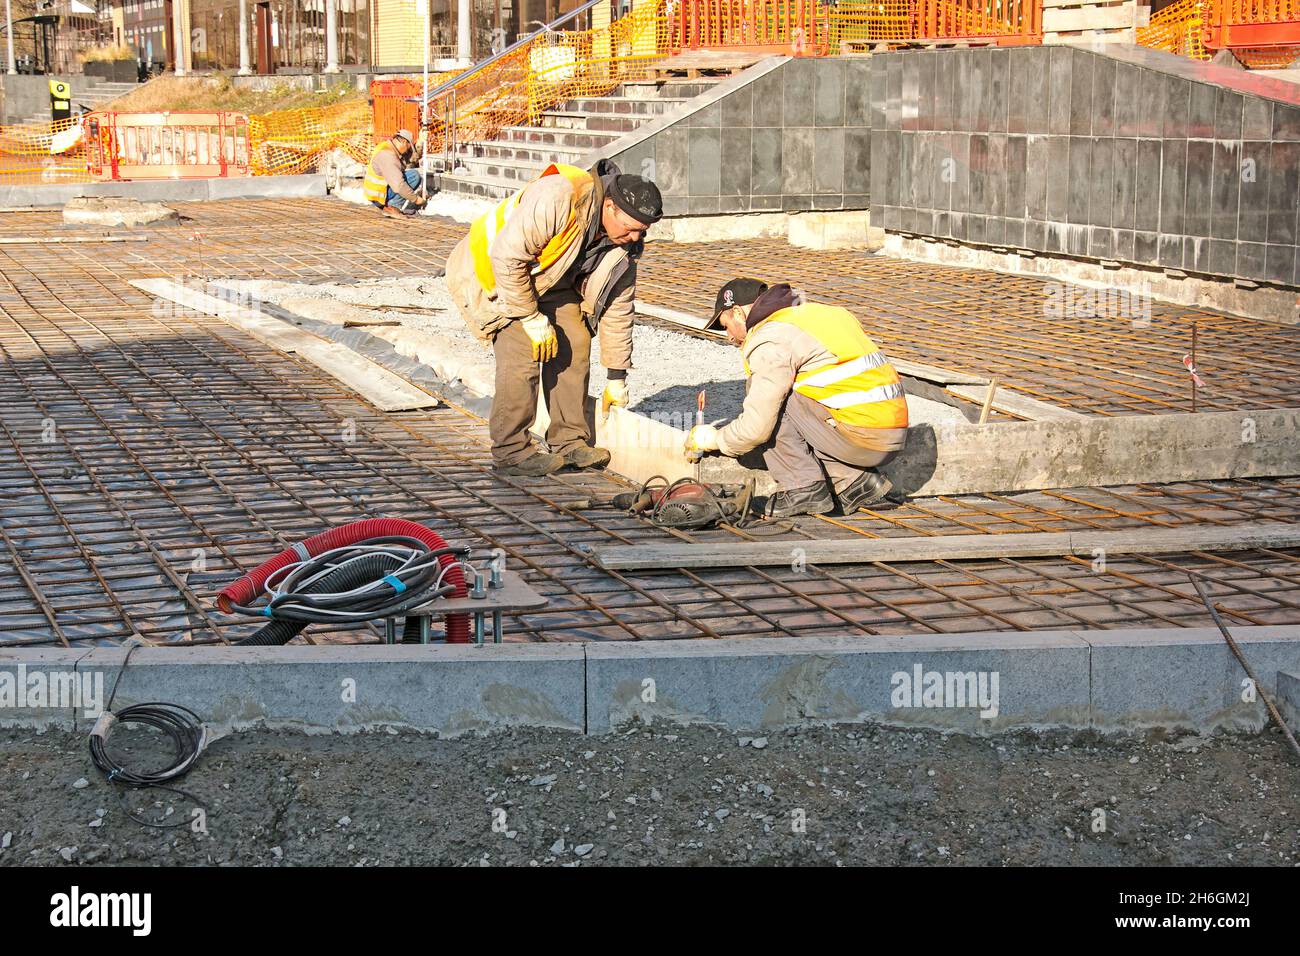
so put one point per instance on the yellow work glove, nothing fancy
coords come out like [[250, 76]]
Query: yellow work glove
[[701, 439], [545, 345], [615, 394]]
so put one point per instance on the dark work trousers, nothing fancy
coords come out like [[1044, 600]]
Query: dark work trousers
[[564, 380], [805, 443]]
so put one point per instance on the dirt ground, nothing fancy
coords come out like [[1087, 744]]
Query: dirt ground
[[863, 795]]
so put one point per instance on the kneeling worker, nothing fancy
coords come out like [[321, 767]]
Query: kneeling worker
[[820, 397], [393, 176], [539, 275]]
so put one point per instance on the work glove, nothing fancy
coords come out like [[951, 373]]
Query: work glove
[[545, 345], [702, 438], [615, 394]]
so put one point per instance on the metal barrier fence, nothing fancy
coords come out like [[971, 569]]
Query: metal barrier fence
[[187, 145], [1251, 24]]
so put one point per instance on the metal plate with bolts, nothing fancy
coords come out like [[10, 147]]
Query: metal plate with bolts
[[513, 595]]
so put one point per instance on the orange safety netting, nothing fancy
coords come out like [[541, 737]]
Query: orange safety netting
[[43, 153], [294, 141], [1180, 28], [549, 69], [849, 26]]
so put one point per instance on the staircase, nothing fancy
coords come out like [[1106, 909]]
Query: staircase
[[496, 168], [91, 94]]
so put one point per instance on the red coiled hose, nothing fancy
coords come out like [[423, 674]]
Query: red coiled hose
[[246, 589]]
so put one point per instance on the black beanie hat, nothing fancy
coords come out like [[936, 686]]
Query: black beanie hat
[[638, 197]]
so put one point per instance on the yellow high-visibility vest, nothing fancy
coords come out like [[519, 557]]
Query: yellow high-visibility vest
[[375, 186], [859, 387], [488, 226]]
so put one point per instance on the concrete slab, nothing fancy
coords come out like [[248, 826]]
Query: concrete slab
[[52, 195], [1185, 677], [267, 187], [1016, 680], [432, 688]]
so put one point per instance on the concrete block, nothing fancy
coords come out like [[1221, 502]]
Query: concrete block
[[166, 190], [39, 689], [111, 211], [1185, 677], [1288, 698], [847, 229], [267, 187], [1035, 679], [434, 688]]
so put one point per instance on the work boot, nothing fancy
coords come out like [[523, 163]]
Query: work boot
[[809, 500], [393, 212], [586, 456], [871, 488], [536, 465]]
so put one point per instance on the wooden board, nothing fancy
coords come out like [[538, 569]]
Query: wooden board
[[1089, 544], [1090, 18], [1014, 403]]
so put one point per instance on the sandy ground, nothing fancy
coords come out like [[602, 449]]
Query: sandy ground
[[670, 368], [664, 795]]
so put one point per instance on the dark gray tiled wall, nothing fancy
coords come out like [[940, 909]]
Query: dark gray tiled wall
[[1067, 151], [797, 138]]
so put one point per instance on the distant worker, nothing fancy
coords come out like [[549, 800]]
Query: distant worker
[[820, 397], [393, 175], [538, 276]]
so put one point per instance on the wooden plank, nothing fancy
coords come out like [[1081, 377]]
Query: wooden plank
[[1091, 544], [380, 387], [1089, 18], [929, 373], [696, 322], [1014, 403], [266, 329]]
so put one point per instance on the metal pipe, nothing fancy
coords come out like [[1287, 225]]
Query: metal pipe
[[9, 38], [331, 36], [245, 62]]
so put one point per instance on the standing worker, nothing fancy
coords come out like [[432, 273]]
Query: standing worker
[[393, 176], [538, 276], [820, 396]]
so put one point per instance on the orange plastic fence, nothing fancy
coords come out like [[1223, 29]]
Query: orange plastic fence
[[549, 69], [43, 153], [294, 141], [778, 26], [852, 25]]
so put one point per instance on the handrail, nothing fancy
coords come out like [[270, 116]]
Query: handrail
[[425, 99]]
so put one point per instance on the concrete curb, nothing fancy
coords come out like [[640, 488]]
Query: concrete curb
[[54, 195], [981, 683]]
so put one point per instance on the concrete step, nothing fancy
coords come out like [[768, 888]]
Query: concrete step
[[483, 187], [622, 105], [660, 89], [552, 136], [501, 169], [560, 119], [538, 155]]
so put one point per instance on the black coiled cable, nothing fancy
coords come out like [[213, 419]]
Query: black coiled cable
[[180, 724]]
